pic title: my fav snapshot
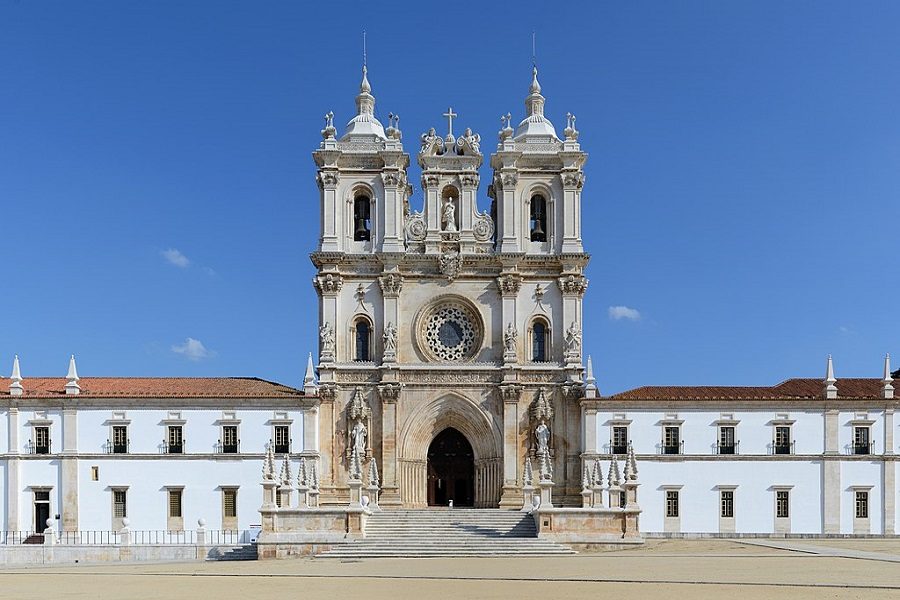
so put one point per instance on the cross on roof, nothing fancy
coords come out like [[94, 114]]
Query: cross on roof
[[450, 114]]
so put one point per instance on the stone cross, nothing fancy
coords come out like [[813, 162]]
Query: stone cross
[[450, 114]]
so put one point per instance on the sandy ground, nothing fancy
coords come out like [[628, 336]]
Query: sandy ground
[[669, 568]]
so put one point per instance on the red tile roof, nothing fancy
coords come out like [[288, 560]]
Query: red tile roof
[[155, 387], [792, 389]]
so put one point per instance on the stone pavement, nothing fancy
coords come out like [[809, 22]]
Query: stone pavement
[[700, 570]]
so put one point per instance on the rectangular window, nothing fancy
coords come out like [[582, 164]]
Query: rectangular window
[[783, 443], [862, 504], [782, 504], [671, 439], [727, 504], [175, 503], [620, 439], [42, 440], [175, 442], [120, 439], [861, 443], [120, 510], [726, 440], [230, 439], [282, 439], [229, 503], [672, 503], [95, 473]]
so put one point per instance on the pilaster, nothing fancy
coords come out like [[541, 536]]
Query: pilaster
[[69, 468], [394, 185], [390, 488], [311, 428], [13, 470], [510, 395]]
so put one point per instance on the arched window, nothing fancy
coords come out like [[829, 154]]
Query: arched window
[[538, 218], [540, 341], [362, 333], [362, 230]]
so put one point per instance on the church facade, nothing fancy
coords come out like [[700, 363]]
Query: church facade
[[450, 364]]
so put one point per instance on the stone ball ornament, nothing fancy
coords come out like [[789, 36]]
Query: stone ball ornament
[[449, 330]]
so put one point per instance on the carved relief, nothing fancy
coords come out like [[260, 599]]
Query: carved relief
[[416, 230], [391, 284], [510, 342], [327, 178], [392, 178], [389, 392], [509, 284], [573, 179], [510, 179], [329, 283], [483, 228], [326, 336], [450, 264], [573, 284], [573, 343]]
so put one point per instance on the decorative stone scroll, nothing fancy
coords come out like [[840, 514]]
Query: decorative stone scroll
[[509, 284], [329, 283], [573, 284]]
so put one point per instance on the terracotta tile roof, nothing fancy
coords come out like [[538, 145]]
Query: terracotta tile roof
[[795, 389], [155, 387]]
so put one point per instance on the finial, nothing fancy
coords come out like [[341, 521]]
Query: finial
[[597, 475], [533, 50], [364, 86], [309, 379], [535, 86], [887, 390], [831, 390], [373, 473], [302, 477], [364, 48], [15, 383], [450, 115], [72, 386]]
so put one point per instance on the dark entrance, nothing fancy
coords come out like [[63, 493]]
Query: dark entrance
[[41, 510], [451, 470]]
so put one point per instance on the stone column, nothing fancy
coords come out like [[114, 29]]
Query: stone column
[[390, 489], [311, 428], [431, 190], [510, 395], [571, 221], [393, 240], [12, 470], [332, 214], [588, 428], [508, 210], [889, 467], [329, 285], [69, 467], [391, 285], [467, 208], [832, 475], [329, 455], [510, 284]]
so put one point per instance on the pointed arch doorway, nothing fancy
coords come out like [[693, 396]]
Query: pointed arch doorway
[[451, 470]]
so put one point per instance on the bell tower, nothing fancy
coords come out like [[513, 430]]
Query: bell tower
[[362, 182]]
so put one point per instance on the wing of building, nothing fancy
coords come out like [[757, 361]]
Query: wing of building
[[450, 355]]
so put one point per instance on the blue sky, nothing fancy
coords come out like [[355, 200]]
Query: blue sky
[[741, 195]]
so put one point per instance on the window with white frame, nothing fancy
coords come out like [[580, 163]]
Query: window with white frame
[[619, 439], [782, 504], [783, 442], [671, 438], [282, 438], [862, 442], [672, 504], [726, 504], [861, 504]]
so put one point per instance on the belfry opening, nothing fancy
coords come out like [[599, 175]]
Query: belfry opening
[[451, 470]]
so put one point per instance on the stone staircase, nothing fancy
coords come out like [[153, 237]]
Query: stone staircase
[[242, 552], [444, 532]]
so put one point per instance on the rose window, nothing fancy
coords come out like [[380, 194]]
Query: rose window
[[451, 332]]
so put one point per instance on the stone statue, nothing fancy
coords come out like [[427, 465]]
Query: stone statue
[[510, 338], [326, 335], [542, 436], [390, 338], [449, 214], [573, 339], [358, 438]]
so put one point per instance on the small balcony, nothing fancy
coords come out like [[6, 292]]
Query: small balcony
[[863, 448], [732, 448], [283, 448], [228, 447], [40, 447], [173, 448], [117, 448], [676, 448], [782, 447]]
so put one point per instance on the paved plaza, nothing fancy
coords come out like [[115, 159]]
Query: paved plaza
[[698, 569]]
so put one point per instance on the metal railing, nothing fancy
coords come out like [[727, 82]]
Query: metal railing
[[168, 448], [34, 448], [112, 448], [787, 448], [731, 448], [864, 448], [223, 448], [677, 448], [149, 537]]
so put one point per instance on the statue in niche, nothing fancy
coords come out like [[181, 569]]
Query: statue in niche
[[573, 339], [326, 335], [390, 338], [358, 437], [510, 338], [542, 436], [449, 215]]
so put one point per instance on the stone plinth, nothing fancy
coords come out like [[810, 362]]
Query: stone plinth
[[309, 531], [586, 528]]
